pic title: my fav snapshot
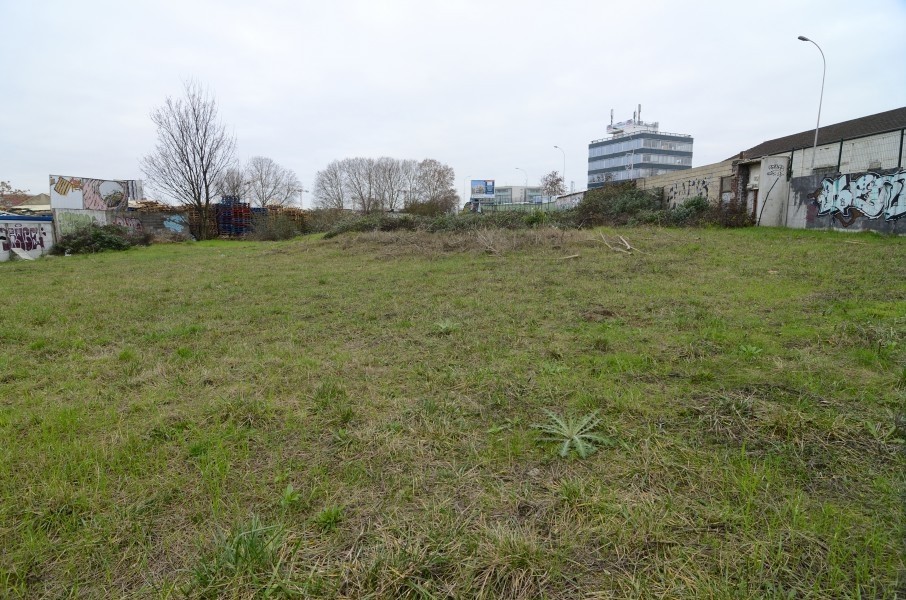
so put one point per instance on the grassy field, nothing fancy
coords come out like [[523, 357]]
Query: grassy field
[[353, 418]]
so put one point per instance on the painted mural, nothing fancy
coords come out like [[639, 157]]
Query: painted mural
[[92, 194], [869, 195]]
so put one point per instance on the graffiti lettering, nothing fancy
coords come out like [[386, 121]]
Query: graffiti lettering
[[70, 222], [22, 237], [684, 190], [775, 170], [870, 195], [130, 223]]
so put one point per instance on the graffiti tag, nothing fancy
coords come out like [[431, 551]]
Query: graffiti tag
[[684, 190], [24, 238], [130, 223], [848, 197], [69, 222]]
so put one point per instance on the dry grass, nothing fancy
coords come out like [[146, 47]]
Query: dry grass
[[365, 404], [482, 241]]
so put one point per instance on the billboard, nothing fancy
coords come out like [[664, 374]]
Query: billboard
[[482, 188], [92, 194]]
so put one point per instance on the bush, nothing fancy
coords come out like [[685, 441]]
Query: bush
[[730, 214], [98, 238], [271, 227], [473, 221], [384, 222], [617, 204], [612, 205], [537, 218], [689, 212], [321, 220], [427, 209]]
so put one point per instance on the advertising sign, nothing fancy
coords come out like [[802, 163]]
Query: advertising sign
[[482, 188]]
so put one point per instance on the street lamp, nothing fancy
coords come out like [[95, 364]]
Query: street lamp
[[564, 164], [525, 187], [802, 38]]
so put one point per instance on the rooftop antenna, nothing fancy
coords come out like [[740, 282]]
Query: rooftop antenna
[[640, 113], [611, 117]]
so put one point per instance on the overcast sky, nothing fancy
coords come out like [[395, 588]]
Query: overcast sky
[[482, 86]]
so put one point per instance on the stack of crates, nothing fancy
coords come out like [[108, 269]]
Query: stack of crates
[[234, 217]]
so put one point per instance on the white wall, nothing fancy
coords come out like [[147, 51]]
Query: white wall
[[773, 190], [34, 237], [863, 154]]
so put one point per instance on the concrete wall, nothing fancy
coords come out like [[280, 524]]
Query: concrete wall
[[680, 186], [67, 220], [773, 190], [32, 235], [868, 201], [159, 224], [162, 224]]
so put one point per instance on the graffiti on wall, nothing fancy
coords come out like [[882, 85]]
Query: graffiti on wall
[[92, 194], [177, 223], [130, 223], [71, 221], [683, 190], [23, 237], [869, 195]]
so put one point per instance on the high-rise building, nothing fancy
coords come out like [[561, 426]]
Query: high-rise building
[[636, 149]]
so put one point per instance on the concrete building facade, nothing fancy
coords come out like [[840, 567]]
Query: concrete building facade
[[635, 149]]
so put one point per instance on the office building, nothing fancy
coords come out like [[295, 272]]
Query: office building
[[635, 149]]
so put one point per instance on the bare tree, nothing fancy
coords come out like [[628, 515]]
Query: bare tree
[[409, 170], [391, 183], [270, 184], [435, 179], [552, 184], [193, 151], [370, 185], [360, 183], [232, 183], [330, 187]]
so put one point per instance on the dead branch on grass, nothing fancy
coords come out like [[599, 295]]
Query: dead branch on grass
[[627, 249]]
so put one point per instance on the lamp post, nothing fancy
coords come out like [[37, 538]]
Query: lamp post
[[802, 38], [564, 165], [525, 187]]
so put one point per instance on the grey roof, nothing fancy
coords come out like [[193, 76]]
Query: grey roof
[[828, 134]]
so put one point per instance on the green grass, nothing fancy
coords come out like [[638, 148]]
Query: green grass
[[352, 418]]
